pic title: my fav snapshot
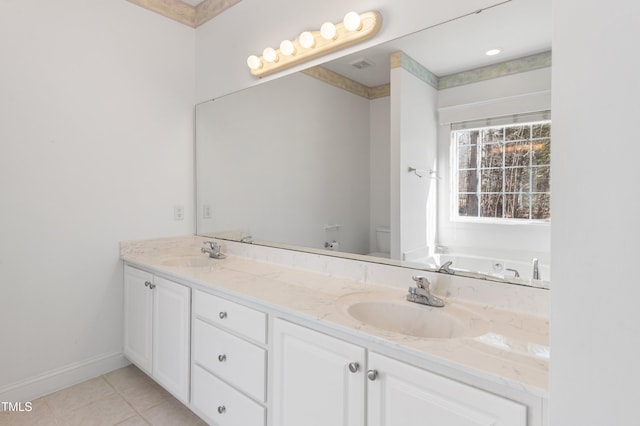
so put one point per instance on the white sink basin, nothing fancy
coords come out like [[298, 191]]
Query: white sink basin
[[190, 261], [408, 318], [411, 319]]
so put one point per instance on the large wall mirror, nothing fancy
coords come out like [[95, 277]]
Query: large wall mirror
[[423, 151]]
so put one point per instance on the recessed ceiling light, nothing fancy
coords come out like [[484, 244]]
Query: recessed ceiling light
[[492, 52]]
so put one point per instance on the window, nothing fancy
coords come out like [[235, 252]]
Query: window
[[502, 171]]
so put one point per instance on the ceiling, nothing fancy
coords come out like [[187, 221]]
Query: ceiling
[[518, 27]]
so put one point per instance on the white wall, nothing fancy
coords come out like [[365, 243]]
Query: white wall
[[413, 144], [595, 316], [298, 158], [380, 172], [224, 43], [519, 93], [96, 108]]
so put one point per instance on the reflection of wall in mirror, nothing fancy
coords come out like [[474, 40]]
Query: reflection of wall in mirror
[[413, 143], [292, 172]]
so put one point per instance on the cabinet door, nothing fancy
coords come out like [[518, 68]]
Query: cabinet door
[[138, 299], [171, 318], [313, 385], [404, 395]]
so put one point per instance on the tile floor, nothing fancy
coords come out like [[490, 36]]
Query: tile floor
[[124, 397]]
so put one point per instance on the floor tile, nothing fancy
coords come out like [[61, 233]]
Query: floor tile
[[40, 415], [107, 411], [171, 414], [144, 396], [124, 397], [134, 421], [127, 377], [65, 401]]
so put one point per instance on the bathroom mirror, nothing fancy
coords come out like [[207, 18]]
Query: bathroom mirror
[[303, 162]]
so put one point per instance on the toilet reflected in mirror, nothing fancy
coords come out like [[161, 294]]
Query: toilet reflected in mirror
[[383, 242]]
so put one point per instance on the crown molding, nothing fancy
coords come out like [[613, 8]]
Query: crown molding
[[338, 80], [185, 13]]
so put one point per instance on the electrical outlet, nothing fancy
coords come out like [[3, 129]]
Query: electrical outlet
[[178, 212], [206, 211]]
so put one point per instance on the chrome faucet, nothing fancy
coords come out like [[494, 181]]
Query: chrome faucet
[[536, 271], [446, 267], [516, 274], [422, 294], [213, 250]]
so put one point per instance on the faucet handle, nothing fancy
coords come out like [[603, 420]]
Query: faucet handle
[[421, 282], [213, 244]]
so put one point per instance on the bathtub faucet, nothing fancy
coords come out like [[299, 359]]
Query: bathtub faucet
[[515, 272], [446, 268]]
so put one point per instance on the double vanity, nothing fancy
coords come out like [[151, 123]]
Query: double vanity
[[274, 337]]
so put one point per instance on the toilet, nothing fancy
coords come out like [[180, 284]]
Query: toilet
[[383, 242]]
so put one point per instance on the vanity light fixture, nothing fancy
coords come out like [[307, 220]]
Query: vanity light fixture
[[254, 62], [287, 48], [352, 21], [307, 40], [269, 54], [355, 27], [328, 31]]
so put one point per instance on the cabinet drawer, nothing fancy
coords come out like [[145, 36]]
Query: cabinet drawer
[[234, 360], [235, 317], [222, 404]]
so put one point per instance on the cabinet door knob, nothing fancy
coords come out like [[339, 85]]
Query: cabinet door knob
[[152, 286], [222, 358], [147, 283], [222, 315], [354, 367], [372, 375], [222, 409]]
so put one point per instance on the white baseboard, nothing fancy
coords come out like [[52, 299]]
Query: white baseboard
[[60, 378]]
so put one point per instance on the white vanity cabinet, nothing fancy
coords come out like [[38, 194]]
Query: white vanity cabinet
[[157, 315], [318, 380], [401, 394], [229, 374], [322, 380]]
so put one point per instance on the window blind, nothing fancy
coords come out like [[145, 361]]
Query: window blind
[[503, 120]]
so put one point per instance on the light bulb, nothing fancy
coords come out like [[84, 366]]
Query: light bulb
[[287, 48], [492, 52], [254, 62], [270, 55], [307, 40], [328, 31], [352, 21]]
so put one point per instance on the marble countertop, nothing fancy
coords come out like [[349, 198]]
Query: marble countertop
[[502, 346]]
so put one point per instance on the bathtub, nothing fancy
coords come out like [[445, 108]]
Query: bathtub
[[492, 266]]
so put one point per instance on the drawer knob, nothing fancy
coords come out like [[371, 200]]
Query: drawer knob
[[354, 367], [372, 375], [222, 358], [222, 315], [222, 409]]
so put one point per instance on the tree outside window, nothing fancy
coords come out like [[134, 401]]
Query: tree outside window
[[503, 172]]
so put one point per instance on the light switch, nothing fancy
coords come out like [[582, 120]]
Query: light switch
[[178, 212], [206, 211]]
